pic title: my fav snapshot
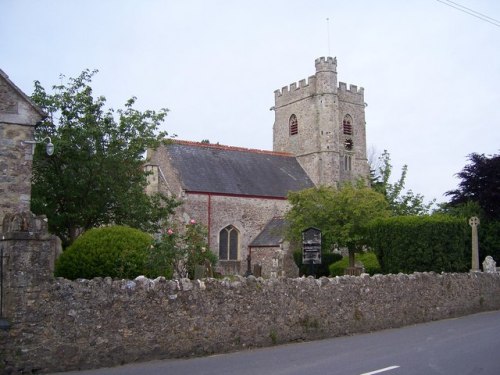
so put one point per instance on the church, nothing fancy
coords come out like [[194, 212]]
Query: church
[[240, 195]]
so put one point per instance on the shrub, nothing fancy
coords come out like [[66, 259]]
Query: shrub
[[369, 260], [179, 253], [116, 251], [410, 244]]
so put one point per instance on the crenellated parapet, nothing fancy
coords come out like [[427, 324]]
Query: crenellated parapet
[[326, 64], [353, 94], [295, 91]]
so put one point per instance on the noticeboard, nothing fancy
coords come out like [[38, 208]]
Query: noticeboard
[[311, 246]]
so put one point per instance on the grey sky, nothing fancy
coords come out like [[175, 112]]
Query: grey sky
[[430, 72]]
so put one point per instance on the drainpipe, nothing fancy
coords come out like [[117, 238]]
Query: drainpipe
[[209, 214]]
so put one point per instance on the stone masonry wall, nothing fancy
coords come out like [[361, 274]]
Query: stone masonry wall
[[63, 325], [248, 215], [18, 117], [15, 168]]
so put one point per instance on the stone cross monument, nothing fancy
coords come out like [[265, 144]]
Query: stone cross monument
[[474, 222]]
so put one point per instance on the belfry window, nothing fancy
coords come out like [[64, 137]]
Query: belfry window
[[347, 125], [293, 125], [228, 243]]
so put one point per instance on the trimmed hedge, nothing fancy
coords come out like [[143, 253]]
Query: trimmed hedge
[[368, 259], [118, 251], [410, 244]]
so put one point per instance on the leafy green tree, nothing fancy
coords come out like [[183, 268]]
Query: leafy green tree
[[478, 194], [96, 175], [400, 202], [480, 181], [341, 215]]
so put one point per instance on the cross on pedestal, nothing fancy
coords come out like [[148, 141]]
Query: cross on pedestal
[[474, 222]]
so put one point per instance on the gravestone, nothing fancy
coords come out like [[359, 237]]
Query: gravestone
[[257, 270], [489, 265], [199, 272]]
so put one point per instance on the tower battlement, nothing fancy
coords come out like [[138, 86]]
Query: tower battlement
[[353, 89], [291, 90], [328, 64]]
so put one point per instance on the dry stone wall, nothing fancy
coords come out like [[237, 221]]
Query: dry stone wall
[[58, 324], [104, 322]]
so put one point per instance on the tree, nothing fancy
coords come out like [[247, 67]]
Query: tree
[[401, 203], [341, 215], [478, 194], [96, 175], [480, 183]]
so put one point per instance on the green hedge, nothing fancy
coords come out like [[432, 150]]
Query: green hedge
[[421, 243], [117, 251], [368, 259]]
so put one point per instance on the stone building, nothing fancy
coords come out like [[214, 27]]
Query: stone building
[[18, 117], [319, 138]]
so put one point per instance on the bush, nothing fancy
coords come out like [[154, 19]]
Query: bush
[[179, 253], [369, 260], [322, 269], [117, 251], [410, 244]]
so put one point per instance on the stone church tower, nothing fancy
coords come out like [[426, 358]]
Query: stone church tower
[[323, 125]]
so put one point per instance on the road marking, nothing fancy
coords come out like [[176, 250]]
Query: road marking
[[381, 370]]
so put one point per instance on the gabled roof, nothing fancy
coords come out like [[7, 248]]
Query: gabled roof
[[228, 170], [271, 235], [25, 97]]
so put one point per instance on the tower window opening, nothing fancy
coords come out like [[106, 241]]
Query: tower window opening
[[347, 162], [347, 125], [293, 125]]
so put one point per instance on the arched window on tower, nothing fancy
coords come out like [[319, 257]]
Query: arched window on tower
[[293, 125], [229, 243], [347, 125]]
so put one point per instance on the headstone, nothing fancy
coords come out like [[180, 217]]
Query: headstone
[[474, 222], [257, 270], [199, 272], [489, 265]]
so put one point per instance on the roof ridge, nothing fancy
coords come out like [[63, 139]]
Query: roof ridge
[[231, 148]]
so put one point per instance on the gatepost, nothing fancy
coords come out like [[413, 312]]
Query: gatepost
[[28, 258]]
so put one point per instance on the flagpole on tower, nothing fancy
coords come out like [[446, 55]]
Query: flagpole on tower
[[328, 33]]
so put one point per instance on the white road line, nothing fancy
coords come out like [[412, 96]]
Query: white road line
[[381, 370]]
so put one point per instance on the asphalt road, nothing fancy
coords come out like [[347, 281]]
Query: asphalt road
[[463, 346]]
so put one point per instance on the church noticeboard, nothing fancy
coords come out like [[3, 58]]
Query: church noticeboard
[[311, 246]]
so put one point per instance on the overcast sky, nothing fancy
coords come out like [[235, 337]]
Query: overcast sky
[[431, 73]]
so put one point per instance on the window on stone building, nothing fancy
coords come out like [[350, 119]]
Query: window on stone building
[[347, 162], [294, 125], [347, 125], [228, 243]]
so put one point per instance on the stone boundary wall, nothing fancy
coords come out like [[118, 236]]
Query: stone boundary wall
[[65, 325]]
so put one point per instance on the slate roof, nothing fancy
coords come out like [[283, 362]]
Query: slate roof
[[271, 235], [236, 171]]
